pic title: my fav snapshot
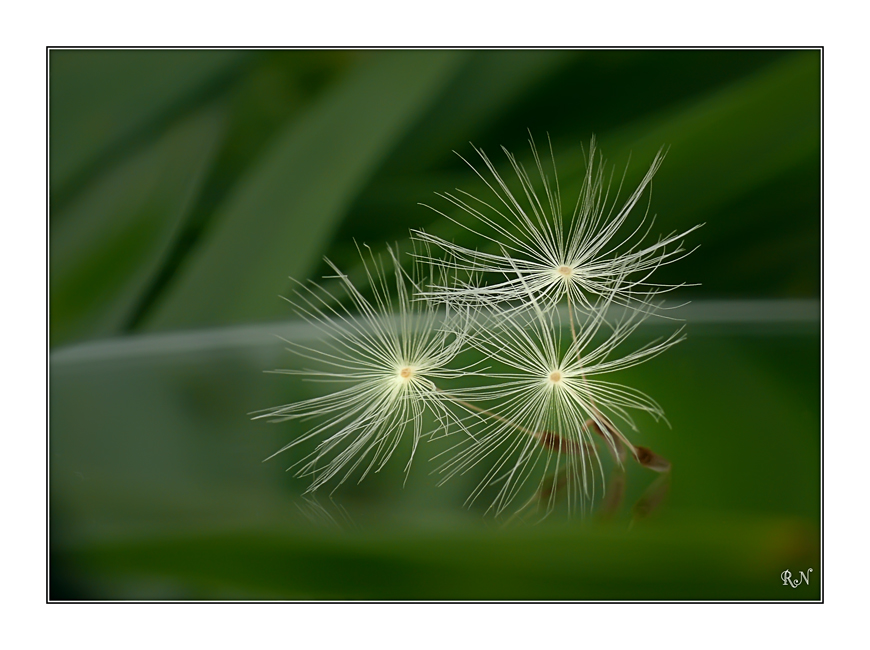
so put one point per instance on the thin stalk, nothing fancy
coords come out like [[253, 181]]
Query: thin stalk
[[494, 416], [546, 438]]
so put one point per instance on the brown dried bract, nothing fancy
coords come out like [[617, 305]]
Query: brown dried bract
[[653, 461]]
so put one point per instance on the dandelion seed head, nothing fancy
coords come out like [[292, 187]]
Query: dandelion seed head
[[552, 405], [550, 252], [385, 353]]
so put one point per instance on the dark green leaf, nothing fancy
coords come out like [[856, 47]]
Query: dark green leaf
[[109, 243]]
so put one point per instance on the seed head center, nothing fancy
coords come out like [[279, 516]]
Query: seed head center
[[565, 271], [555, 376], [406, 373]]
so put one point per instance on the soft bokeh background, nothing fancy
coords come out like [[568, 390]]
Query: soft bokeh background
[[186, 186]]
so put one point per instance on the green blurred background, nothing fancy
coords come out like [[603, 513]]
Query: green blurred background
[[186, 186]]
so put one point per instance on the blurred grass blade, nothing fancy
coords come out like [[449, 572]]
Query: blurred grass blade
[[496, 79], [746, 161], [108, 244], [278, 221], [733, 140], [688, 558], [104, 101]]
